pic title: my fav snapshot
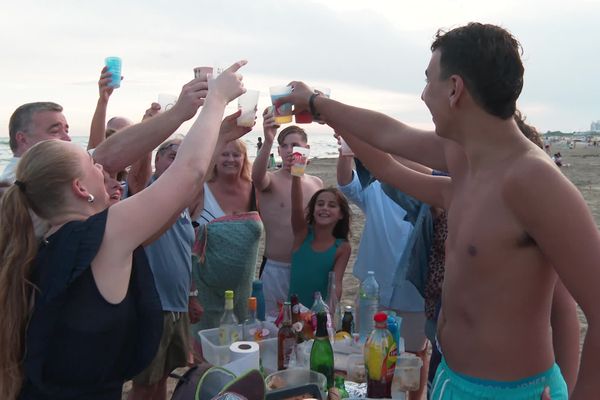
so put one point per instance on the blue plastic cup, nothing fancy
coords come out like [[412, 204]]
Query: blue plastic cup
[[114, 67]]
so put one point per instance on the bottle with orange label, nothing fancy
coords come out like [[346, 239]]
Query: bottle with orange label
[[380, 359]]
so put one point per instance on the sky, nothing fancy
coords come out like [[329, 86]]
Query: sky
[[371, 54]]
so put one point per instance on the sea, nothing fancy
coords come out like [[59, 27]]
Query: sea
[[322, 145]]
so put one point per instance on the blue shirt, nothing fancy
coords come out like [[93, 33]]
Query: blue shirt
[[382, 244], [170, 258]]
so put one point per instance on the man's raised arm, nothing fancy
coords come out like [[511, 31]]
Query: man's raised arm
[[391, 136], [260, 175], [132, 143]]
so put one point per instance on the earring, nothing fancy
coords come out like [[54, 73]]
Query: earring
[[90, 198]]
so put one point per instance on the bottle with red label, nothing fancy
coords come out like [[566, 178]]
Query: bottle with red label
[[286, 339], [380, 359]]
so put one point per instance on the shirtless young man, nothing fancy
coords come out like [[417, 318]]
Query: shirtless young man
[[274, 205], [504, 201]]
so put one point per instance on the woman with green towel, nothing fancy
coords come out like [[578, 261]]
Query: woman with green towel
[[227, 238]]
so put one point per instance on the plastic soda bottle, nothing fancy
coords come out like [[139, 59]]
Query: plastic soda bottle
[[368, 303], [257, 291], [380, 359], [253, 329], [229, 328]]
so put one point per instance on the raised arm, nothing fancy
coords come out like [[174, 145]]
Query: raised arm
[[299, 225], [391, 136], [141, 170], [344, 170], [98, 126], [433, 190], [260, 176], [342, 256], [130, 144]]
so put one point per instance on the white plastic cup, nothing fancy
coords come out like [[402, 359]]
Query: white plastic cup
[[166, 101], [300, 159], [248, 103]]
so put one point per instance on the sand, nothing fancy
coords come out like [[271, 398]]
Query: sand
[[583, 166]]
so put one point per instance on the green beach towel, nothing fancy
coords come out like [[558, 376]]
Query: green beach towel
[[224, 258]]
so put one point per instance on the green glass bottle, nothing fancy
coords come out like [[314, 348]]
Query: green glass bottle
[[321, 354], [341, 386]]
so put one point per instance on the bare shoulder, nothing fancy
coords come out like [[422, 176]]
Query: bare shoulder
[[533, 187], [314, 181]]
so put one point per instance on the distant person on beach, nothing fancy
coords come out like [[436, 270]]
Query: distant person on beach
[[78, 318], [274, 205], [494, 328], [259, 144]]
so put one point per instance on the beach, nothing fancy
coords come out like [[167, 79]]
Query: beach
[[582, 165]]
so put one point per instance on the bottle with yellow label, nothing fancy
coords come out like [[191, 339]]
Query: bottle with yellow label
[[380, 359], [229, 328]]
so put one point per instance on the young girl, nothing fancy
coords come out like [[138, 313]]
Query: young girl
[[320, 242]]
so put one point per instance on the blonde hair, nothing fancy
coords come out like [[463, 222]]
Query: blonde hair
[[43, 175], [246, 172]]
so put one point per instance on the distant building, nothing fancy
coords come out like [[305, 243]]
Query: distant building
[[595, 127]]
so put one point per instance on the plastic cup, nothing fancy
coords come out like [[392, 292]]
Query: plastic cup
[[407, 375], [283, 113], [166, 101], [114, 67], [248, 103], [202, 72], [300, 156]]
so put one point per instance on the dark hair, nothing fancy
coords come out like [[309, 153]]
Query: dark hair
[[488, 59], [342, 228], [21, 118], [290, 130], [529, 131]]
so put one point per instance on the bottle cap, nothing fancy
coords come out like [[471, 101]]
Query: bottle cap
[[370, 272], [348, 308], [252, 303], [380, 317], [229, 295]]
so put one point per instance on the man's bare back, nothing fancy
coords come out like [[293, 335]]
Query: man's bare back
[[274, 204]]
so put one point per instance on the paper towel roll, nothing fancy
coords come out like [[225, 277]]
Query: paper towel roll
[[243, 356]]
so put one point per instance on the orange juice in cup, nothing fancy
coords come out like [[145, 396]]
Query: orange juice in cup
[[300, 159]]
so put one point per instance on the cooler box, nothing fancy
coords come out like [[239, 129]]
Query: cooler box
[[218, 355]]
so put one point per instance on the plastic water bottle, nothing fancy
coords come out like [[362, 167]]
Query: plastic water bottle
[[257, 291], [368, 303], [393, 326]]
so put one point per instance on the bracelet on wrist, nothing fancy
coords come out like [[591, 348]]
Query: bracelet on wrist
[[311, 105]]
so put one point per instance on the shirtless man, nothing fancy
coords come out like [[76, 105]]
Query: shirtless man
[[274, 205], [504, 201]]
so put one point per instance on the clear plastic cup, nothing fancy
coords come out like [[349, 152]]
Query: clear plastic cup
[[114, 65], [248, 103], [300, 155], [283, 113]]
